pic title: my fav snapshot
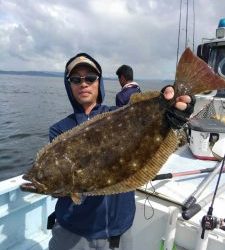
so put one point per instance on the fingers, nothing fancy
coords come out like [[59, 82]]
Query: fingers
[[168, 93], [182, 102], [184, 98], [181, 105]]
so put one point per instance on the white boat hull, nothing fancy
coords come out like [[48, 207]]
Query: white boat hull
[[23, 217]]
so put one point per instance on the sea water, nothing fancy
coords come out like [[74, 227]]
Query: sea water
[[29, 105]]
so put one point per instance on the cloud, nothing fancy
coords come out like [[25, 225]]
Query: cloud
[[43, 35]]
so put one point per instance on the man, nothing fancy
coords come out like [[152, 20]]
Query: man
[[129, 87], [99, 222]]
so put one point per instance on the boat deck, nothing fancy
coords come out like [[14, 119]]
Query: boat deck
[[171, 194]]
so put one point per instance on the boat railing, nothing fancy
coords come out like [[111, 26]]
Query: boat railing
[[23, 217]]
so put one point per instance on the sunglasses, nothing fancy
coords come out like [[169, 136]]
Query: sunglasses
[[89, 79]]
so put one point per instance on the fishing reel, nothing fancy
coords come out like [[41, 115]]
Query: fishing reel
[[210, 222]]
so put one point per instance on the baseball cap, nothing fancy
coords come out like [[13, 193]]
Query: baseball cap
[[82, 60]]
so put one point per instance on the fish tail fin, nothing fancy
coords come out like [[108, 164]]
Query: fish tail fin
[[194, 76]]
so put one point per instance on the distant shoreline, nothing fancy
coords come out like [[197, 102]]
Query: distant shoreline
[[31, 73], [40, 73], [61, 74]]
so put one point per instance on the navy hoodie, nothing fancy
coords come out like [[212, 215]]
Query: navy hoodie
[[123, 97], [98, 217]]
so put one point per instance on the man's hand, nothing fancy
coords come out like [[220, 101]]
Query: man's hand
[[178, 115], [181, 101]]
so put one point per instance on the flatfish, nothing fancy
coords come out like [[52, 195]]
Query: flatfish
[[120, 150]]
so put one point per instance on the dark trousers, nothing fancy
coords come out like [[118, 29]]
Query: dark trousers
[[63, 239]]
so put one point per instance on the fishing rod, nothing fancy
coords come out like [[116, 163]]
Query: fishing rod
[[202, 244], [193, 210], [184, 173], [219, 152], [201, 187], [208, 221]]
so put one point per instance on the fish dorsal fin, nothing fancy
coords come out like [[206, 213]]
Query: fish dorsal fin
[[138, 97], [194, 76]]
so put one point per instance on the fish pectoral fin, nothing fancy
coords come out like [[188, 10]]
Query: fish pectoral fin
[[77, 198], [138, 97]]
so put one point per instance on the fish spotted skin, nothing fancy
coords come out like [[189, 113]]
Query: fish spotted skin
[[101, 153], [120, 150]]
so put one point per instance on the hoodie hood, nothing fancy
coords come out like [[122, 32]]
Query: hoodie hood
[[101, 92]]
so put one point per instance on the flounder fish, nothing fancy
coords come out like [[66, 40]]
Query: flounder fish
[[120, 150]]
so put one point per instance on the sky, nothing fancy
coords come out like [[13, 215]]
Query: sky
[[44, 35]]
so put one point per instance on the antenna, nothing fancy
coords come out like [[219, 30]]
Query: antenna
[[186, 37], [193, 43], [178, 40]]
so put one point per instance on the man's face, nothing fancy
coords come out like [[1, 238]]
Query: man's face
[[85, 93]]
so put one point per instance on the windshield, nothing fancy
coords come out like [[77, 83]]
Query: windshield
[[217, 60]]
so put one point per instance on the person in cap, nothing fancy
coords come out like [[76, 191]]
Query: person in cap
[[99, 222], [129, 87]]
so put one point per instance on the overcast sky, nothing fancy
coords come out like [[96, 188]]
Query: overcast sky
[[43, 35]]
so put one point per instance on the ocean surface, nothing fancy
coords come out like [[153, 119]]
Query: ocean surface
[[29, 105]]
